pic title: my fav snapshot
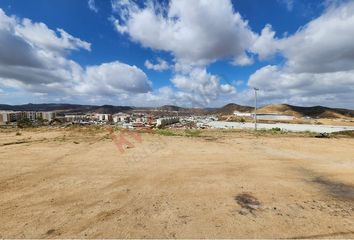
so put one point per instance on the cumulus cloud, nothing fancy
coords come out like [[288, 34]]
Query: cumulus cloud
[[34, 58], [92, 6], [278, 85], [200, 87], [41, 36], [319, 66], [194, 31], [160, 66], [266, 45], [322, 45], [115, 77]]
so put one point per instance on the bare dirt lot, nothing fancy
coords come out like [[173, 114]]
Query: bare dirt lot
[[76, 183]]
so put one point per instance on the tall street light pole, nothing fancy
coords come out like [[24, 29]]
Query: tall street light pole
[[255, 108]]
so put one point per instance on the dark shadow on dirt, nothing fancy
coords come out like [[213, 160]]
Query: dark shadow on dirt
[[337, 189], [327, 235], [332, 187]]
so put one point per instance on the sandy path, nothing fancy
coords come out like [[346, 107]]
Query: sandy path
[[175, 187]]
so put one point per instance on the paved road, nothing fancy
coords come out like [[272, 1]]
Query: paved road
[[283, 126]]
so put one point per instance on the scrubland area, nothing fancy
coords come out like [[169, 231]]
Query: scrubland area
[[79, 182]]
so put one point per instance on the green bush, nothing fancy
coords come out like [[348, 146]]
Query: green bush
[[192, 133], [347, 133], [166, 132], [24, 122]]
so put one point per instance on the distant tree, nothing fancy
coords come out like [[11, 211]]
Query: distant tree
[[55, 121], [24, 122]]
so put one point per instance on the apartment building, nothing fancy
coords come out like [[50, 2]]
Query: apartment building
[[13, 116]]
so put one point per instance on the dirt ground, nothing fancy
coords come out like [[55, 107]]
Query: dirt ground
[[78, 183]]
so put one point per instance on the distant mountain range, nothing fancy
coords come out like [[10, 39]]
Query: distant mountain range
[[316, 111], [297, 111], [231, 108]]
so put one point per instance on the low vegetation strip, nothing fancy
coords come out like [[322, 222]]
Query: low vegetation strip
[[182, 133], [349, 134]]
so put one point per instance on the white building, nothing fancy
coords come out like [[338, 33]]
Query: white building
[[3, 118], [160, 122], [31, 115], [103, 117], [120, 117], [265, 116], [13, 116], [273, 116], [243, 114], [49, 116]]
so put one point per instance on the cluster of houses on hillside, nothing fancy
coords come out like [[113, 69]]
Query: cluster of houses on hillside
[[133, 120], [125, 120]]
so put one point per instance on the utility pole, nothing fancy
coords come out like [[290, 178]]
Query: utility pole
[[255, 108]]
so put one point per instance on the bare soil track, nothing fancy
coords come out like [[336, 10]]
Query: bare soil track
[[222, 184]]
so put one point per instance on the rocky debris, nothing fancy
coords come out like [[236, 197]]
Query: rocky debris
[[323, 135]]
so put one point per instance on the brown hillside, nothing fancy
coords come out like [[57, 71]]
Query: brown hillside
[[231, 107], [316, 111]]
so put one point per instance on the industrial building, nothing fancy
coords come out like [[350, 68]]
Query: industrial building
[[242, 114], [274, 116], [265, 116], [161, 122]]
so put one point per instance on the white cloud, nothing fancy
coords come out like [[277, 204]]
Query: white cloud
[[266, 44], [279, 85], [41, 36], [243, 60], [318, 66], [114, 77], [196, 32], [92, 6], [200, 87], [319, 61], [160, 66], [323, 45], [33, 58]]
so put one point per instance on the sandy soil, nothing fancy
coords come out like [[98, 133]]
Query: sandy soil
[[336, 121], [78, 184]]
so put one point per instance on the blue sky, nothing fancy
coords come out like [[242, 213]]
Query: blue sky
[[153, 53]]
